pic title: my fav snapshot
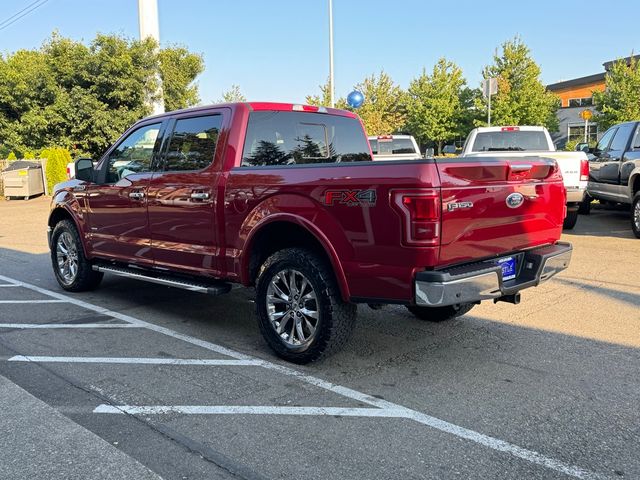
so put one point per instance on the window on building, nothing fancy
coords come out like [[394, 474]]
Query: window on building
[[581, 102], [576, 132]]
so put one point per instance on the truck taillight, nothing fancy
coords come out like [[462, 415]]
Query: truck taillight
[[510, 129], [420, 213], [68, 173], [584, 170]]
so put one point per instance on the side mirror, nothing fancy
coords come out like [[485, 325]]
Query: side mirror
[[428, 152], [449, 149], [582, 147], [84, 169]]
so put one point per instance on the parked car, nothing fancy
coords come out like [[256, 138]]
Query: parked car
[[286, 198], [394, 147], [525, 141], [614, 171]]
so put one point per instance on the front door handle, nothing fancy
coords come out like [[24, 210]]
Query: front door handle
[[136, 195], [200, 196]]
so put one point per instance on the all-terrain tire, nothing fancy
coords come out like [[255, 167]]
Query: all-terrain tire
[[85, 278], [585, 205], [635, 215], [440, 314], [571, 220], [336, 318]]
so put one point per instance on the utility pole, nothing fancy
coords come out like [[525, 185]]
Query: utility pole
[[331, 86], [149, 28]]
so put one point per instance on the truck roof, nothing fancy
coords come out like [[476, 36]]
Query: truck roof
[[259, 106], [525, 128]]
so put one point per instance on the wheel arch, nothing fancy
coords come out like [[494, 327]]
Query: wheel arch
[[284, 231], [62, 212]]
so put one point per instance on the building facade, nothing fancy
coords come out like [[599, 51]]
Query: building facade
[[577, 95]]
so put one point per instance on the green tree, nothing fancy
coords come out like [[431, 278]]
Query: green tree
[[384, 107], [234, 94], [324, 99], [82, 97], [437, 104], [522, 99], [56, 168], [620, 101]]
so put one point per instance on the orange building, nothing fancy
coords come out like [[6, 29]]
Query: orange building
[[576, 96]]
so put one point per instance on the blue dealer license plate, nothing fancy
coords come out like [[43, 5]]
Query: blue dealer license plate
[[508, 268]]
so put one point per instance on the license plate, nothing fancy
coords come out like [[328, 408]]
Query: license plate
[[508, 268]]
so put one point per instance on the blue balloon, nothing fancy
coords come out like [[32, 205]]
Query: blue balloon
[[355, 99]]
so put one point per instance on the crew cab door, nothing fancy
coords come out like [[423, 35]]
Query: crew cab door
[[610, 161], [116, 205], [599, 166], [630, 158], [182, 194]]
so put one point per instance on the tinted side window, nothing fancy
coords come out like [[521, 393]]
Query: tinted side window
[[289, 138], [403, 146], [133, 154], [622, 137], [636, 141], [193, 143], [374, 146], [606, 139]]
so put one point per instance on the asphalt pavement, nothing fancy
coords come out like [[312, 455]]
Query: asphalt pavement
[[143, 381]]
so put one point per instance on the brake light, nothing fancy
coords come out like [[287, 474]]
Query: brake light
[[510, 129], [68, 173], [308, 108], [385, 137], [584, 170], [420, 213]]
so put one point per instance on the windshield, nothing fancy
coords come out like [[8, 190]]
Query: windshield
[[510, 141]]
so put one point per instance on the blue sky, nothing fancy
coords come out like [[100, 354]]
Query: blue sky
[[277, 50]]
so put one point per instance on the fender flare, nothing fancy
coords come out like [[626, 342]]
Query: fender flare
[[322, 239]]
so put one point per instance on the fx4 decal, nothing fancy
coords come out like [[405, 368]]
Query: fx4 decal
[[351, 198]]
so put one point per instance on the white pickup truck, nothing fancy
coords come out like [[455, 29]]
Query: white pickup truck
[[394, 147], [528, 141]]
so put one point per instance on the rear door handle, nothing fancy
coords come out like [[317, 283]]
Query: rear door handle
[[136, 195], [200, 196]]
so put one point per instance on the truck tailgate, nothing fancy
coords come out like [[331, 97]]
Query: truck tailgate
[[492, 206]]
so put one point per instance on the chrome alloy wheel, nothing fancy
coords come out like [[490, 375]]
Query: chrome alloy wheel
[[67, 257], [292, 306], [636, 216]]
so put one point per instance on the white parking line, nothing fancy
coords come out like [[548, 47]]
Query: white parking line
[[247, 410], [8, 285], [33, 301], [37, 326], [134, 360], [436, 423]]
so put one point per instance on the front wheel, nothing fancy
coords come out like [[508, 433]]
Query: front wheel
[[635, 215], [299, 308], [72, 269], [571, 220], [440, 314]]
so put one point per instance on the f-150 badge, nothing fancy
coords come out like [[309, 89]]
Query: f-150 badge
[[350, 198], [459, 205]]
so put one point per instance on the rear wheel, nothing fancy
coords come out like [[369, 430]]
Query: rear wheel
[[72, 269], [571, 220], [635, 215], [300, 312], [585, 205], [440, 314]]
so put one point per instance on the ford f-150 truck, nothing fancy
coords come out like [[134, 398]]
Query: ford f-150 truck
[[286, 198], [525, 141], [614, 171]]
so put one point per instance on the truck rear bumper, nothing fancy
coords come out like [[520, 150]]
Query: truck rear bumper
[[575, 195], [483, 281]]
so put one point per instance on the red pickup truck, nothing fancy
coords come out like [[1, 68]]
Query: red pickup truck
[[286, 198]]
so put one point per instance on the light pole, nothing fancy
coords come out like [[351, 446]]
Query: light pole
[[149, 28], [331, 87]]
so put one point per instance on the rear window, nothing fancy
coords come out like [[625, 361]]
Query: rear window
[[510, 141], [397, 146], [298, 138]]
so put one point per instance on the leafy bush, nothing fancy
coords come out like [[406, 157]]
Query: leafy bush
[[56, 169], [11, 156], [570, 146]]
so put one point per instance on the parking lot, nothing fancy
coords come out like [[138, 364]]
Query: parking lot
[[183, 384]]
